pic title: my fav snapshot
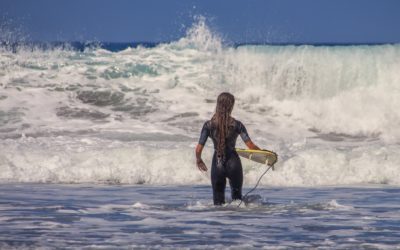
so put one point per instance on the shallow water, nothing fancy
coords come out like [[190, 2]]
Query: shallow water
[[141, 216]]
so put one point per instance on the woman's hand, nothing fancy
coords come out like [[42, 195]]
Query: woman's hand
[[201, 166]]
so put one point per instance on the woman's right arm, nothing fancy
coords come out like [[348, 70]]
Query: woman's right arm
[[251, 145], [246, 138]]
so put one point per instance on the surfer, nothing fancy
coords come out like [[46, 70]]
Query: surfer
[[224, 130]]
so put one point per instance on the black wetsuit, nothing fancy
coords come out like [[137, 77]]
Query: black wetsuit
[[230, 166]]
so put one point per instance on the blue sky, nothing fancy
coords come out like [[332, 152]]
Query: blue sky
[[272, 21]]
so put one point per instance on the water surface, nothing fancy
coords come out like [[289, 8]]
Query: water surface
[[140, 216]]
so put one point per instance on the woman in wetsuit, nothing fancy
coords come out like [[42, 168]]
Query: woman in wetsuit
[[224, 130]]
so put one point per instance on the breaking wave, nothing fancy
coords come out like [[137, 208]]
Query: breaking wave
[[133, 116]]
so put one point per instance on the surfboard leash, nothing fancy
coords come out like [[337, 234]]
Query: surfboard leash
[[258, 182]]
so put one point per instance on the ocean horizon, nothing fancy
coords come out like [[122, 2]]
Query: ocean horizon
[[118, 46]]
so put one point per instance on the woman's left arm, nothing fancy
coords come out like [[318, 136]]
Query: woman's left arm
[[199, 162]]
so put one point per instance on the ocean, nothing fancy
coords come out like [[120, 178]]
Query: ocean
[[97, 144]]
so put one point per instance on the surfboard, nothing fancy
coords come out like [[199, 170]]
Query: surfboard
[[260, 156]]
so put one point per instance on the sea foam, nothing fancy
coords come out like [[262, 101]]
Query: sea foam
[[134, 116]]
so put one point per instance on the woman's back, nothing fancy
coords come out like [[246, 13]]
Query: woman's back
[[235, 128], [224, 130]]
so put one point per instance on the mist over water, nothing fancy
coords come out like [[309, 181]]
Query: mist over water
[[134, 116]]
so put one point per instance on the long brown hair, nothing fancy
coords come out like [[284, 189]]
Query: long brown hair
[[222, 119]]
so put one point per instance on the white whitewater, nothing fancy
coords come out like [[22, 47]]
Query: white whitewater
[[134, 116]]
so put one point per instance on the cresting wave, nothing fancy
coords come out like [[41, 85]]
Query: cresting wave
[[133, 116]]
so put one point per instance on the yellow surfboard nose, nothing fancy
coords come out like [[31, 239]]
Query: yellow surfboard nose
[[261, 156]]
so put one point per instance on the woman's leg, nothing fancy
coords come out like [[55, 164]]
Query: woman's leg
[[218, 181], [235, 174]]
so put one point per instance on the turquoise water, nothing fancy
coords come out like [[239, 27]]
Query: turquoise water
[[88, 216]]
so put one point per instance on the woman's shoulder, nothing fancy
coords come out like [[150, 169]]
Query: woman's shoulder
[[207, 124], [235, 121], [239, 126]]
